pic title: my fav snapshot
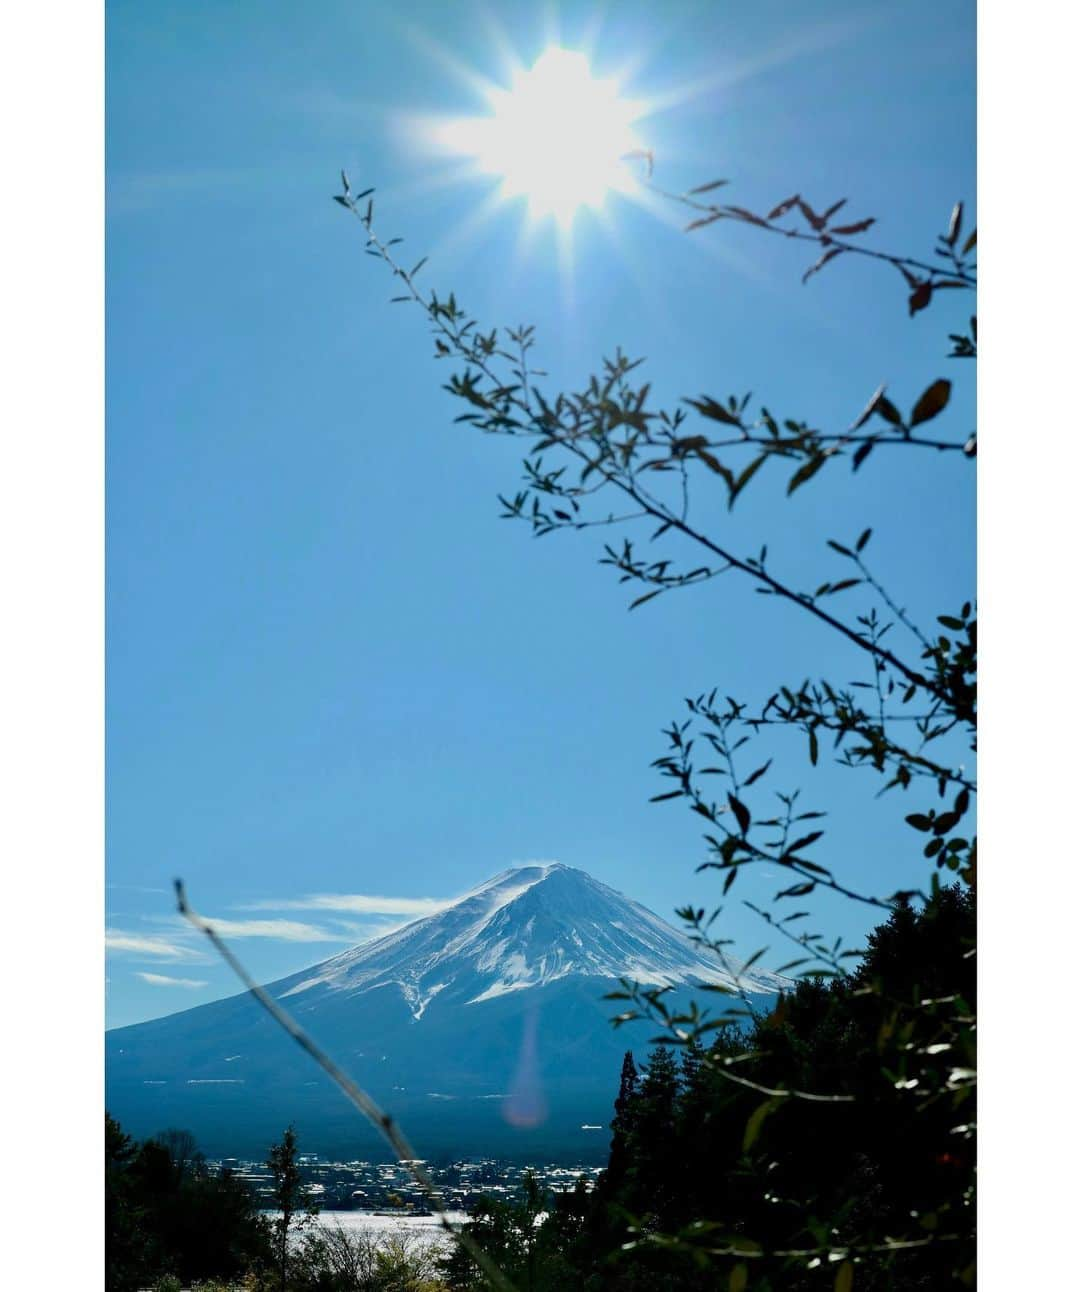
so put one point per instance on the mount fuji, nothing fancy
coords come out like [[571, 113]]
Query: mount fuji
[[482, 1027]]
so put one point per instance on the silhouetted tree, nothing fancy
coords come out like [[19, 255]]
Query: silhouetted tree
[[291, 1198], [187, 1223]]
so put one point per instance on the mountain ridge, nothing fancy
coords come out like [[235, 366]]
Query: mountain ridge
[[522, 928], [489, 1009]]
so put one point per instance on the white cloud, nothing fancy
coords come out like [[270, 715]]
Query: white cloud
[[140, 944], [354, 903], [163, 980], [283, 930]]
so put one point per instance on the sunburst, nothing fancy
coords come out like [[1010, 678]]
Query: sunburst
[[560, 137]]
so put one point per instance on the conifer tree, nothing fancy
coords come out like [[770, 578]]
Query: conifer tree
[[290, 1195]]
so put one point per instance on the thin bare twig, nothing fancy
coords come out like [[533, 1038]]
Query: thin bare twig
[[358, 1097]]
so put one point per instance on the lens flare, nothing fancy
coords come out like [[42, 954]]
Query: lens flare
[[526, 1104]]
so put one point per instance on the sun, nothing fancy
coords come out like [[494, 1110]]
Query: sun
[[559, 136]]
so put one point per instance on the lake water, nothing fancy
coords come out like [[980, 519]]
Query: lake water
[[425, 1227]]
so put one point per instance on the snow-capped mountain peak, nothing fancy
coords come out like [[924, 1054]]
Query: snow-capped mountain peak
[[525, 928]]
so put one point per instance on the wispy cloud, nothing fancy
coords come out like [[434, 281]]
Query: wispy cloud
[[353, 903], [140, 944], [282, 930], [163, 980]]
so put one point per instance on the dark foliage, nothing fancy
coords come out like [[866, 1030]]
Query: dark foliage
[[710, 1185], [291, 1198], [833, 1139], [165, 1214]]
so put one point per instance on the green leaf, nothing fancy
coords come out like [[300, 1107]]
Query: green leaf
[[797, 890], [919, 821], [839, 547], [707, 188], [805, 472], [708, 407], [738, 1278], [813, 747], [744, 479], [971, 241], [755, 1122], [931, 401], [640, 601], [864, 538], [845, 1277]]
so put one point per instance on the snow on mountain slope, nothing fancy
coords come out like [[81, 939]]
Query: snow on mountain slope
[[525, 928]]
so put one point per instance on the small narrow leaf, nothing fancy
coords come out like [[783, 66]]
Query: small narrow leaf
[[920, 298], [860, 227], [742, 814], [783, 208], [708, 407], [831, 254], [755, 1122], [868, 411], [861, 454], [931, 401], [707, 188], [955, 221], [805, 472], [706, 219], [864, 538], [744, 479], [887, 409]]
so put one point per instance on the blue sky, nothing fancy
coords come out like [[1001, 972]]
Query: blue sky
[[332, 670]]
